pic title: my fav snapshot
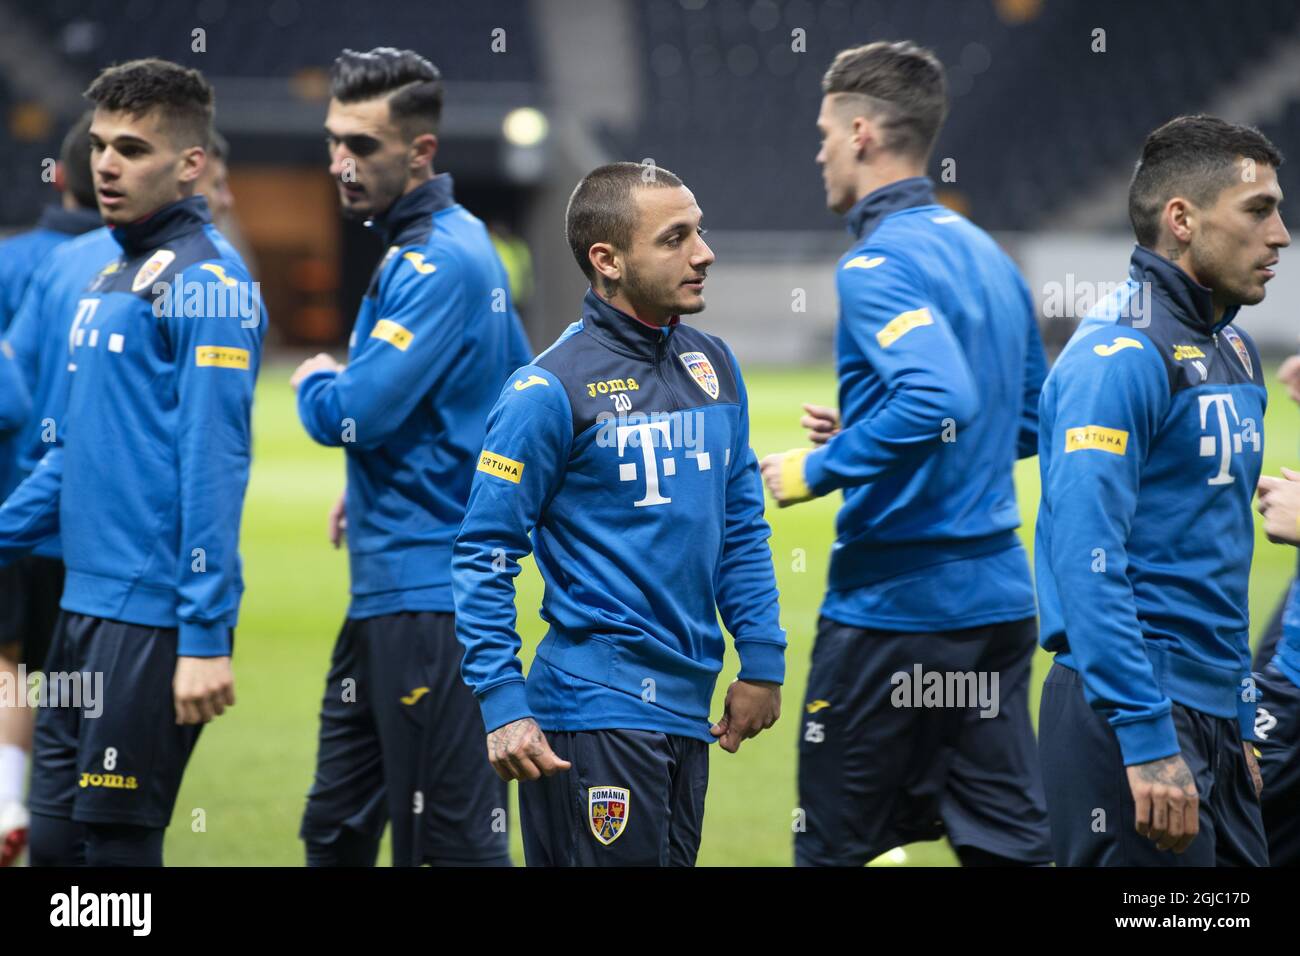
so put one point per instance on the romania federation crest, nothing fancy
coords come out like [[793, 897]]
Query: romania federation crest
[[154, 265], [1239, 347], [607, 811], [701, 369]]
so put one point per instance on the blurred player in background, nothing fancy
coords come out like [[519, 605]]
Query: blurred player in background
[[145, 484], [624, 451], [940, 366], [400, 735], [30, 588], [1277, 677], [1150, 449]]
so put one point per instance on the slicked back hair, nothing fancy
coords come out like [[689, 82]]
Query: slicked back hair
[[904, 90], [412, 84], [181, 95], [1195, 157], [603, 207]]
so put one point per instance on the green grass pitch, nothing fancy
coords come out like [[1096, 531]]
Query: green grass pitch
[[250, 773]]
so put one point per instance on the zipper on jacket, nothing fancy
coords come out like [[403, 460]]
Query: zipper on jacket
[[661, 349]]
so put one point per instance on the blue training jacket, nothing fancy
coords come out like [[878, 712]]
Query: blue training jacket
[[1150, 446], [434, 339], [940, 365], [15, 399], [146, 483], [624, 451], [38, 337], [20, 256]]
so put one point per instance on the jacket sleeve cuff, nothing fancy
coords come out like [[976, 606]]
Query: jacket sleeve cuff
[[1246, 718], [794, 483], [504, 704], [1141, 741], [197, 639], [761, 660], [815, 475]]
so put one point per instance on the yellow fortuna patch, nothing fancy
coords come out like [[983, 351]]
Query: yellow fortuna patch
[[900, 325], [1113, 440], [1187, 351], [1121, 343], [216, 356], [817, 705], [501, 466], [395, 334], [417, 259]]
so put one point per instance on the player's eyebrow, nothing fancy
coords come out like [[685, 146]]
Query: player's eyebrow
[[123, 139], [667, 231]]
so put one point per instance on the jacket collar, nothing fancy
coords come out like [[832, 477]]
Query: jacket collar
[[622, 332], [163, 225], [410, 212], [867, 212], [71, 222], [1191, 303]]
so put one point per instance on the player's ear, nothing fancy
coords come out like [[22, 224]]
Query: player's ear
[[192, 163], [605, 261], [422, 151], [1180, 218]]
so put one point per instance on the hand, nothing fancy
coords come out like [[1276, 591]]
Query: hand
[[1168, 805], [317, 363], [203, 688], [1279, 503], [751, 708], [783, 475], [339, 520], [1289, 375], [1253, 764], [519, 751], [823, 423]]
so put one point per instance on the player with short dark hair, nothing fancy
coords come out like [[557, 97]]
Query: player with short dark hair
[[145, 484], [940, 364], [30, 588], [1150, 445], [623, 450], [400, 735]]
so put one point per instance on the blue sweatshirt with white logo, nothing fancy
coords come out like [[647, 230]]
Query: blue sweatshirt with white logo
[[39, 340], [20, 257], [435, 337], [146, 484], [1150, 447], [623, 450], [940, 365]]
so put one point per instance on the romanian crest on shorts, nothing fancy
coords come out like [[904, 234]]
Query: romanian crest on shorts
[[607, 812], [1239, 347], [701, 369]]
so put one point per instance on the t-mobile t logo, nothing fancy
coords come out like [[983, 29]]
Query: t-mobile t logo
[[627, 470], [1229, 442]]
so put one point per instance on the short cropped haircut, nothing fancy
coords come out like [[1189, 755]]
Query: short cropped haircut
[[74, 157], [412, 84], [181, 95], [602, 208], [904, 88], [1194, 157]]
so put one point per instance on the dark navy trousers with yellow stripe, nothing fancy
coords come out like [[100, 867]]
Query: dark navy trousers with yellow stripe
[[402, 740]]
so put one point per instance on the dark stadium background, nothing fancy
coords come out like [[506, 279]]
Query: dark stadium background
[[1048, 115]]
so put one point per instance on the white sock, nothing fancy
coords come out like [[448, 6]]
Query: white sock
[[13, 772]]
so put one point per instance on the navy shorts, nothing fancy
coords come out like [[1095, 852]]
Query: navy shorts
[[1091, 806], [631, 798], [30, 591], [874, 774], [402, 740], [119, 756], [1277, 745]]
